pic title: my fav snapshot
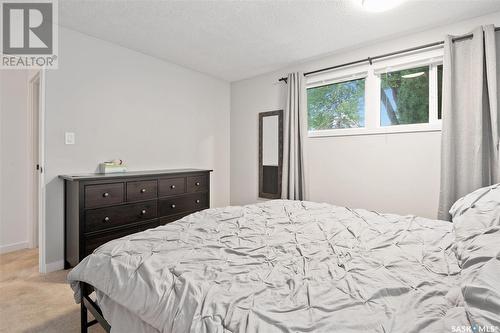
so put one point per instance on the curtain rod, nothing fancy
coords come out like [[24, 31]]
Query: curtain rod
[[371, 59]]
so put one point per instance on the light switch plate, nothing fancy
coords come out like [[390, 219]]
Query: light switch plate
[[69, 138]]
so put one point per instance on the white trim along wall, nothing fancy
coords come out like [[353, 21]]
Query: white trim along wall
[[14, 247]]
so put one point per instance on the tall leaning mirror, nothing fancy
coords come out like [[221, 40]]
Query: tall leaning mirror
[[270, 154]]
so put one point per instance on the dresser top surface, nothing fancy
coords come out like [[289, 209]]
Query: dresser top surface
[[97, 176]]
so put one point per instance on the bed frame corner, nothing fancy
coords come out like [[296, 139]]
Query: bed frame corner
[[88, 305]]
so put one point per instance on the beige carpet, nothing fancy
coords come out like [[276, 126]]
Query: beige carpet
[[34, 302]]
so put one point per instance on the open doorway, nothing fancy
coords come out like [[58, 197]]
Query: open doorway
[[21, 149]]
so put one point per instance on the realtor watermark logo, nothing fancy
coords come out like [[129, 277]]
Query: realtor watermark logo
[[29, 34], [475, 328]]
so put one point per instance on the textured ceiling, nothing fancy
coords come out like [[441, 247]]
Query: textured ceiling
[[233, 40]]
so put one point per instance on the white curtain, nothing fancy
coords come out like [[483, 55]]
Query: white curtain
[[293, 165], [469, 147]]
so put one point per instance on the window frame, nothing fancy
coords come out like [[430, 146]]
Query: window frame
[[337, 80], [371, 72]]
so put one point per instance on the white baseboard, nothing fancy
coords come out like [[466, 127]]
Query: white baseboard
[[14, 247], [53, 266]]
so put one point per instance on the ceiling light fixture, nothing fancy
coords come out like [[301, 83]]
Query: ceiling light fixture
[[411, 76], [380, 5]]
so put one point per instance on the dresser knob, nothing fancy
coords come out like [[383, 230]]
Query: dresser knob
[[143, 190], [105, 194], [173, 206], [197, 183], [197, 200], [106, 219], [172, 187], [143, 212]]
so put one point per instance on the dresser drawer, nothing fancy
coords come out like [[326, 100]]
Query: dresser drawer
[[197, 183], [104, 218], [153, 224], [93, 242], [185, 203], [172, 186], [142, 190], [172, 218], [103, 195]]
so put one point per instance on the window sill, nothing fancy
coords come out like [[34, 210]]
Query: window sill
[[397, 129]]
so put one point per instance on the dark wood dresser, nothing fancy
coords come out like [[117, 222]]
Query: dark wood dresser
[[102, 207]]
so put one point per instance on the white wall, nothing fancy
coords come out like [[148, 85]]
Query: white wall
[[123, 104], [396, 173], [14, 160]]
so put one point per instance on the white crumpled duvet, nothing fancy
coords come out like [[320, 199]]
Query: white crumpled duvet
[[290, 266]]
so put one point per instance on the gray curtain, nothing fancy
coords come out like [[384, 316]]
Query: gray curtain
[[469, 147], [293, 164]]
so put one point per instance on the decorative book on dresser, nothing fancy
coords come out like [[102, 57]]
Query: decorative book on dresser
[[102, 207]]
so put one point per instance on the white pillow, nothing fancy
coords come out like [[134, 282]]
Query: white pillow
[[485, 194], [476, 224]]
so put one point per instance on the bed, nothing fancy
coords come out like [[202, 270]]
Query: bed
[[296, 266]]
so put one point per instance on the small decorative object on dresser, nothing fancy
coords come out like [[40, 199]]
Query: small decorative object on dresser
[[102, 207], [112, 166]]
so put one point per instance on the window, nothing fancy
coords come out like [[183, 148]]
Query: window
[[393, 95], [337, 105], [404, 97]]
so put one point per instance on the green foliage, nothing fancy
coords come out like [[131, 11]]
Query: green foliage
[[410, 94], [336, 105], [404, 97]]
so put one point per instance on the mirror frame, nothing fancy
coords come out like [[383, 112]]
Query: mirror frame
[[263, 194]]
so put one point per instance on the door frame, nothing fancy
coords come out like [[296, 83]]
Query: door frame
[[40, 77]]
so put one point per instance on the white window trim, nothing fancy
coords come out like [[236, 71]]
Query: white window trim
[[371, 73]]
